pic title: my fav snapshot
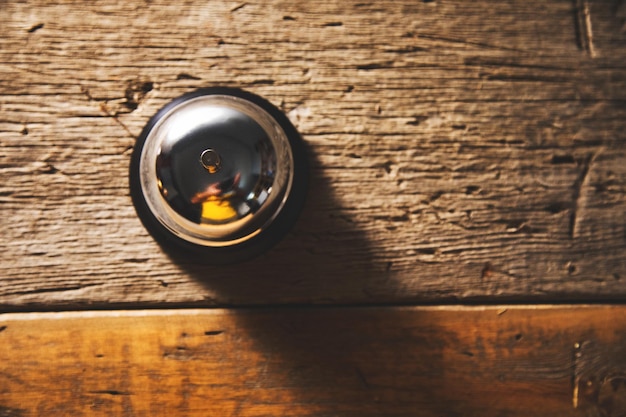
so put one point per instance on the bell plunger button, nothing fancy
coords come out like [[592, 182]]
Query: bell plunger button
[[211, 160], [219, 174]]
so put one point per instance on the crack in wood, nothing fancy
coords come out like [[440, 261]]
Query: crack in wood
[[54, 289], [599, 378], [238, 7], [361, 377], [135, 93], [584, 32], [35, 28], [104, 108], [112, 115], [11, 412], [458, 40], [575, 377], [580, 183], [111, 392]]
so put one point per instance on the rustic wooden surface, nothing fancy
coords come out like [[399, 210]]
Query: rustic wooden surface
[[495, 361], [461, 151]]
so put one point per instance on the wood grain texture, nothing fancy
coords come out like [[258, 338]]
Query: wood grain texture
[[498, 361], [460, 150]]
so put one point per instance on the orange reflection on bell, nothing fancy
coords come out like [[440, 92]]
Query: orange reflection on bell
[[216, 204], [216, 209]]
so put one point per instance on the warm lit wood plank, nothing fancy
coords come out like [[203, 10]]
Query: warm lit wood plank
[[496, 361]]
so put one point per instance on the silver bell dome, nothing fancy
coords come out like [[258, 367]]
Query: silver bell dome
[[215, 169]]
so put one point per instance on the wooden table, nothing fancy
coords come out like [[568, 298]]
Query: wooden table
[[463, 246]]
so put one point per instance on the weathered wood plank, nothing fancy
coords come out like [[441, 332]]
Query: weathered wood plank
[[461, 150], [513, 361]]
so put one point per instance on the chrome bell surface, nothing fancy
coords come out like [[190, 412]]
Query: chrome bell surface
[[220, 172]]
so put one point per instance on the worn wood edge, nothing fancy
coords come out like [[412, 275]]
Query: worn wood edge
[[540, 360], [157, 312], [547, 301]]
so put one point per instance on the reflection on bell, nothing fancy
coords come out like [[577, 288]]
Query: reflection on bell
[[220, 173], [216, 204]]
